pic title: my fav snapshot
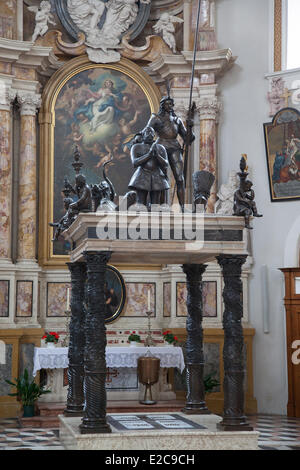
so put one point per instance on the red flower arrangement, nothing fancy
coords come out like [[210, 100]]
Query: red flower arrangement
[[169, 337], [134, 337], [51, 337]]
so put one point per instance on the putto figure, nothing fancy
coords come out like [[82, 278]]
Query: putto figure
[[165, 25], [66, 221], [168, 127], [43, 16], [150, 159]]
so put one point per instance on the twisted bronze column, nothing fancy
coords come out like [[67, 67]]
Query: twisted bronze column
[[75, 399], [195, 400], [94, 418], [233, 416]]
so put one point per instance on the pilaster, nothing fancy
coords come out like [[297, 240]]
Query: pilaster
[[29, 103]]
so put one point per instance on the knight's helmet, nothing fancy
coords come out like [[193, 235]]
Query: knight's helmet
[[202, 183]]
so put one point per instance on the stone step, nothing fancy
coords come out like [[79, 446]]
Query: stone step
[[48, 412], [39, 422]]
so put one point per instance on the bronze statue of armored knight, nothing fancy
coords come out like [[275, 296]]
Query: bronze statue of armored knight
[[150, 159], [168, 127]]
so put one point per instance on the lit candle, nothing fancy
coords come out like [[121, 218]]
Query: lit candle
[[149, 301], [68, 299]]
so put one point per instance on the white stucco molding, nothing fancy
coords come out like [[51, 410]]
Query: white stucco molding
[[25, 53]]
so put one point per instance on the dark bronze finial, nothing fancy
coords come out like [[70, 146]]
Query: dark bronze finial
[[77, 165], [244, 204]]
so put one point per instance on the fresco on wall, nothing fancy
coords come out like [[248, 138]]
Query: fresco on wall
[[24, 298], [209, 294], [4, 298], [57, 298], [167, 299], [137, 295], [100, 110], [282, 138]]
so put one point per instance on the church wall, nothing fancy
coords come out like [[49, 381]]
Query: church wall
[[33, 299], [244, 27]]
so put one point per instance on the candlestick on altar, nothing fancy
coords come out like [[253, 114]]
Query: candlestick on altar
[[149, 341], [149, 300], [68, 299]]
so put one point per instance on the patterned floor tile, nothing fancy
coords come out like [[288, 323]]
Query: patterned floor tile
[[276, 433]]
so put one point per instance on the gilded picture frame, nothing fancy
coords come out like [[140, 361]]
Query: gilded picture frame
[[282, 140], [125, 71]]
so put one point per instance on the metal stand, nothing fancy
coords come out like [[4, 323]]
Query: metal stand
[[148, 372]]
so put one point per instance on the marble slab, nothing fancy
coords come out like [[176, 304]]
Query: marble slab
[[180, 438]]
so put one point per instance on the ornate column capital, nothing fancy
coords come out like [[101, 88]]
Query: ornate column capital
[[208, 108], [181, 108], [29, 103], [7, 96]]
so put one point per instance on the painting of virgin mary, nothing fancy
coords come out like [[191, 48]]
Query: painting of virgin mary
[[100, 110]]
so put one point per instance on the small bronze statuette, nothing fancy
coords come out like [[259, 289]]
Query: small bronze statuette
[[83, 202], [244, 204], [151, 162], [66, 221], [103, 194], [202, 183]]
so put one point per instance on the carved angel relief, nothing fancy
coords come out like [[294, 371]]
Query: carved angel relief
[[103, 24]]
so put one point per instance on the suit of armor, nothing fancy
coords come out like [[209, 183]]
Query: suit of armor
[[151, 162], [168, 127]]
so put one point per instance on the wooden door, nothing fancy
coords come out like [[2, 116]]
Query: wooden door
[[292, 307]]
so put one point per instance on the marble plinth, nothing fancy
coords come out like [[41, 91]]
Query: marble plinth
[[182, 439]]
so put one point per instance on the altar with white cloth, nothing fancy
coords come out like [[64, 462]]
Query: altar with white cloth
[[122, 380]]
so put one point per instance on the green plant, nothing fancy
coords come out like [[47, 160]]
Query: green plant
[[51, 337], [169, 337], [210, 383], [134, 337], [27, 392]]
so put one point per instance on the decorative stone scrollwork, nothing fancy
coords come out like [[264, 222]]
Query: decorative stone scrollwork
[[7, 96]]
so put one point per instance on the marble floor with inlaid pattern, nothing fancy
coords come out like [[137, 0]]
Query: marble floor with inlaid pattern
[[276, 433]]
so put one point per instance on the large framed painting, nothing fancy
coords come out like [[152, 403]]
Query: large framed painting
[[282, 138], [99, 108]]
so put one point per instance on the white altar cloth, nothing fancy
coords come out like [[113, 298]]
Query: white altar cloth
[[116, 357]]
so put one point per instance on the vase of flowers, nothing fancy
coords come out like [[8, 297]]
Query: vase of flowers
[[134, 339], [51, 339], [170, 338]]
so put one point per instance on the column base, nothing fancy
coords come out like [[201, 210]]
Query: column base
[[95, 427], [195, 410], [234, 427], [234, 424], [73, 413]]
